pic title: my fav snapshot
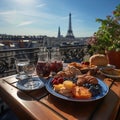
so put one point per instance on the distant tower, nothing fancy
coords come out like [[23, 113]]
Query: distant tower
[[59, 34], [69, 32]]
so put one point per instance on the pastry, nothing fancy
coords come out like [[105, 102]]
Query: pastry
[[75, 64], [86, 79], [69, 72], [81, 92]]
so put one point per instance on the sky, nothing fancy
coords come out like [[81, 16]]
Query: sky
[[43, 17]]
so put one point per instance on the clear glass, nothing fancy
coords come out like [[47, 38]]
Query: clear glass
[[21, 61], [56, 60], [43, 64], [31, 83]]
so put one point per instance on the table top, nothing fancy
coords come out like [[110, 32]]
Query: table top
[[40, 104]]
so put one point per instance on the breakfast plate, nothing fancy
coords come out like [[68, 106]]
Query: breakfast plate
[[103, 93], [21, 84]]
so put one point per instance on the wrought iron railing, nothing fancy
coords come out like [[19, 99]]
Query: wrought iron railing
[[69, 53], [7, 59], [74, 53]]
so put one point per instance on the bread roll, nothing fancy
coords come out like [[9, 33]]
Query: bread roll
[[98, 60]]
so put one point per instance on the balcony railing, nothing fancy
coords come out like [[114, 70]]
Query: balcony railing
[[69, 54], [74, 53], [7, 59]]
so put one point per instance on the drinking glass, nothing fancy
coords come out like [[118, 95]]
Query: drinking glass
[[43, 64], [21, 62], [31, 82], [56, 60]]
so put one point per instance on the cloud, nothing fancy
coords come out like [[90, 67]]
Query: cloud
[[8, 16], [24, 2], [27, 10], [24, 23], [9, 12], [40, 5]]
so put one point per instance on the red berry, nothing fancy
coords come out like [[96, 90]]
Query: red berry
[[60, 80], [86, 63], [57, 80]]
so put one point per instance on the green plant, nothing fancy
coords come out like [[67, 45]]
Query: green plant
[[108, 35]]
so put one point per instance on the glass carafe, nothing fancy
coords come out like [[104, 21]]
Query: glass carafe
[[56, 60], [43, 65]]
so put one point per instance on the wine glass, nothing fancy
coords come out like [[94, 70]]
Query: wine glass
[[31, 82], [21, 62]]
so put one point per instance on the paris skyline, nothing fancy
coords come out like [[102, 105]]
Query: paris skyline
[[43, 17]]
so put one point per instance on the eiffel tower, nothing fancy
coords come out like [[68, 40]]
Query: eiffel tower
[[69, 32]]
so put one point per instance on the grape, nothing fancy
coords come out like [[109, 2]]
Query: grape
[[95, 89], [87, 85]]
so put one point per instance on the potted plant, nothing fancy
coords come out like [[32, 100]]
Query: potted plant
[[107, 39]]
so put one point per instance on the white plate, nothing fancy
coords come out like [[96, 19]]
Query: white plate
[[108, 66], [21, 84], [103, 93], [108, 75]]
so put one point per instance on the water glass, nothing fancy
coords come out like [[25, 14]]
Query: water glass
[[31, 82], [21, 63]]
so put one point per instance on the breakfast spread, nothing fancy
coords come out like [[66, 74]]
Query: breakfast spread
[[77, 81], [85, 86]]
